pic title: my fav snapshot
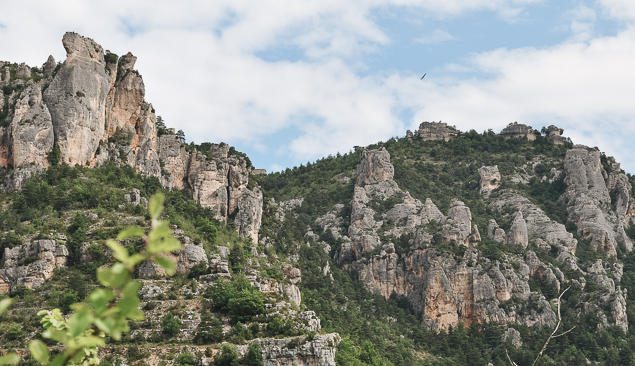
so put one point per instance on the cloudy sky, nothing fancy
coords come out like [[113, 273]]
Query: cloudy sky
[[290, 81]]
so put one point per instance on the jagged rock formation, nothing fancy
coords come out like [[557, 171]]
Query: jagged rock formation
[[31, 264], [436, 131], [93, 110], [589, 200], [555, 134], [444, 289], [76, 99], [516, 130]]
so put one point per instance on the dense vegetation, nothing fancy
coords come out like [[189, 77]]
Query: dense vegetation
[[377, 331], [88, 205]]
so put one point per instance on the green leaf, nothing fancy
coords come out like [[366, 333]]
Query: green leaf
[[155, 207], [113, 277], [166, 245], [79, 322], [168, 265], [87, 341], [4, 305], [10, 359], [39, 351], [119, 252], [135, 259], [99, 299], [131, 232], [59, 360]]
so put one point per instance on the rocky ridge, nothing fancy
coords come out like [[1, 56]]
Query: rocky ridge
[[399, 246], [91, 109]]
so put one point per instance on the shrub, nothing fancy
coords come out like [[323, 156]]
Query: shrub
[[227, 356], [171, 325], [185, 358]]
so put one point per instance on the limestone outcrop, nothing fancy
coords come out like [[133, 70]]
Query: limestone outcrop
[[517, 130], [94, 111], [318, 352], [447, 290], [31, 264], [589, 200], [490, 179], [436, 131], [76, 99]]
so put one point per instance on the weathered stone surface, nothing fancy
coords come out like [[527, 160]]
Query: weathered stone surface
[[49, 66], [589, 201], [555, 134], [175, 161], [76, 98], [436, 131], [31, 264], [208, 183], [190, 256], [495, 233], [249, 216], [490, 179], [517, 234], [375, 167], [516, 130], [513, 336], [293, 277], [318, 352], [31, 129]]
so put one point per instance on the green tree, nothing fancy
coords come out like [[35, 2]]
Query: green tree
[[253, 356], [171, 325], [227, 356], [185, 359]]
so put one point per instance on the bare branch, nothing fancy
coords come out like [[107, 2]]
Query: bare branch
[[510, 360], [544, 347]]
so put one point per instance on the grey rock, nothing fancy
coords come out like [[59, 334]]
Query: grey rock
[[517, 234], [513, 336], [436, 131], [49, 66], [518, 130], [490, 179], [374, 167], [76, 98]]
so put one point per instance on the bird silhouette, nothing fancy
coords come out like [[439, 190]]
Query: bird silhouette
[[424, 75]]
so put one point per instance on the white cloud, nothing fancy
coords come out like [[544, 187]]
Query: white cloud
[[202, 73], [437, 36]]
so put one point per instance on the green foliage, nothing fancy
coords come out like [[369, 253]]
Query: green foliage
[[185, 359], [253, 356], [108, 308], [238, 298], [209, 330], [227, 357], [54, 155], [171, 325]]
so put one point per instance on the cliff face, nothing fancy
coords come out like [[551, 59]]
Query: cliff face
[[93, 109], [400, 246]]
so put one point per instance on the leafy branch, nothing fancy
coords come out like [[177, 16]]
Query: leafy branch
[[107, 309]]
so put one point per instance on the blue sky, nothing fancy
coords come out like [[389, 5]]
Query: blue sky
[[290, 81]]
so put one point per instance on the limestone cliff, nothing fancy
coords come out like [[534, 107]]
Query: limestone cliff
[[400, 246], [93, 110]]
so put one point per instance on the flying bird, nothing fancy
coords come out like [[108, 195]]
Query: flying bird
[[424, 75]]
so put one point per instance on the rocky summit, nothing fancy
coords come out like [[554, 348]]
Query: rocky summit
[[443, 247]]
